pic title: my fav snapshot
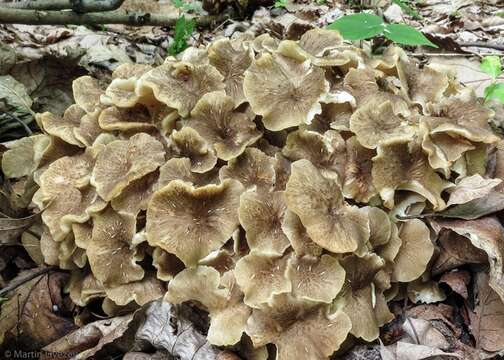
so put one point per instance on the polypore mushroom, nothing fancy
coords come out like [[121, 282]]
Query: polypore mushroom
[[87, 92], [358, 184]]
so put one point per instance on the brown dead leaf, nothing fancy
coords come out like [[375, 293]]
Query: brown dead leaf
[[34, 314], [457, 281], [486, 234], [470, 188], [487, 320]]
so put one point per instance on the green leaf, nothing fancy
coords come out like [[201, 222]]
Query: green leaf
[[179, 4], [358, 26], [14, 94], [406, 35], [492, 66], [280, 4], [495, 92], [183, 30]]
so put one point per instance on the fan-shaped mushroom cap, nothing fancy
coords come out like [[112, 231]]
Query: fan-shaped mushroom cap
[[167, 265], [192, 222], [253, 169], [326, 48], [63, 127], [180, 85], [298, 237], [260, 277], [121, 91], [297, 332], [89, 129], [404, 166], [188, 143], [358, 184], [376, 123], [228, 131], [110, 252], [87, 92], [141, 292], [136, 195], [261, 216], [123, 161], [319, 204], [380, 226], [315, 279], [180, 169], [84, 287], [415, 252], [422, 86], [284, 91], [24, 156], [228, 324], [231, 59], [82, 234], [265, 43], [136, 118], [361, 83], [201, 284], [326, 152]]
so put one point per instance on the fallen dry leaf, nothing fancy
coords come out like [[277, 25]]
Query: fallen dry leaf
[[457, 281], [470, 188]]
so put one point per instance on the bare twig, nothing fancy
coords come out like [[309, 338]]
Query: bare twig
[[36, 17], [482, 45], [27, 278], [21, 122], [80, 6]]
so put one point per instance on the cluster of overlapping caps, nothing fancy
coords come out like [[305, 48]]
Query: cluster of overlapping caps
[[263, 180]]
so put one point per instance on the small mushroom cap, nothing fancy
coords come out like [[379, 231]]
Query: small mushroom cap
[[180, 169], [82, 234], [180, 85], [121, 91], [283, 91], [202, 284], [326, 152], [190, 144], [89, 129], [318, 280], [253, 169], [167, 265], [298, 237], [24, 156], [228, 131], [111, 255], [141, 292], [123, 161], [260, 277], [376, 123], [231, 59], [261, 216], [358, 184], [136, 195], [227, 325], [326, 48], [361, 270], [319, 204], [63, 127], [84, 287], [87, 92], [415, 252], [136, 118], [192, 222]]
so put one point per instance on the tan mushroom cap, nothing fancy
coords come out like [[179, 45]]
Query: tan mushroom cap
[[296, 332], [260, 277], [253, 169], [388, 62], [202, 284], [190, 144], [318, 280], [284, 91], [228, 324], [141, 292], [361, 83], [123, 161], [380, 226], [261, 216], [298, 237], [121, 91], [405, 166], [87, 92], [63, 127], [228, 131], [318, 202], [326, 152], [180, 169], [135, 118], [84, 287], [82, 234], [166, 264], [89, 129], [24, 156], [376, 123], [415, 252], [180, 85], [358, 184], [231, 59], [136, 195], [192, 222], [326, 48], [111, 255]]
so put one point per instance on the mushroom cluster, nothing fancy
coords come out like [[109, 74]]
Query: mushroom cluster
[[270, 183]]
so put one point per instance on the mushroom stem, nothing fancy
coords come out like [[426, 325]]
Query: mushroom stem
[[79, 6], [38, 17]]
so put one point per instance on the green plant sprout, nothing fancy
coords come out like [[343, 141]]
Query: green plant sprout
[[363, 26], [492, 66], [280, 4], [183, 27], [407, 8]]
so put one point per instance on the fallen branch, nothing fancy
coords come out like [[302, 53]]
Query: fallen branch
[[483, 45], [80, 6], [14, 284], [37, 17]]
